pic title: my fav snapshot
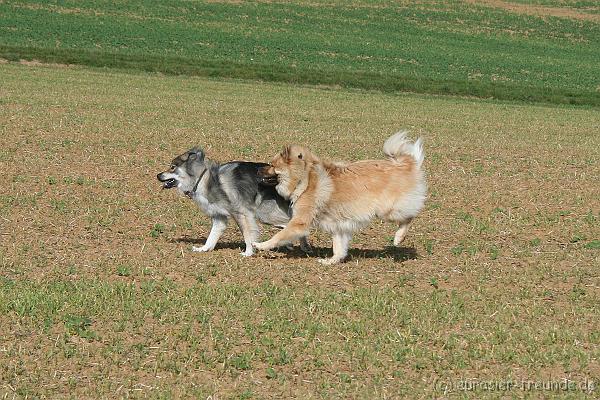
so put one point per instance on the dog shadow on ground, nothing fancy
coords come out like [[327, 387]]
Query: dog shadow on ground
[[398, 254], [200, 242]]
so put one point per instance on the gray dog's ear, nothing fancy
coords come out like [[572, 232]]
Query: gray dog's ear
[[196, 153]]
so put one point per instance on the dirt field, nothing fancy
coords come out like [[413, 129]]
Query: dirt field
[[532, 9], [100, 295]]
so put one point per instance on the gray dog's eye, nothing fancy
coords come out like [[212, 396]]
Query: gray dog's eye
[[172, 167]]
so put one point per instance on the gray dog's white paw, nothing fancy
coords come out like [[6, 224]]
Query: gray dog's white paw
[[201, 249]]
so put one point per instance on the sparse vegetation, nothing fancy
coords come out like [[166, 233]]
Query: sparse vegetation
[[497, 278], [497, 281]]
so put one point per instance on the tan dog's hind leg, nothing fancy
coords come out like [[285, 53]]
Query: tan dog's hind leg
[[341, 241], [401, 232]]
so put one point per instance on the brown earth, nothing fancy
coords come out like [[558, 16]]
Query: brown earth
[[497, 278], [541, 11]]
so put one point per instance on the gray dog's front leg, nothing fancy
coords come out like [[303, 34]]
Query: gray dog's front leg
[[218, 227]]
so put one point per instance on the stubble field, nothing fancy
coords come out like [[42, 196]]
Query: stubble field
[[545, 51], [101, 297]]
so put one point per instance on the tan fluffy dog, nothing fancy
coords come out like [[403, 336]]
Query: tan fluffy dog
[[342, 198]]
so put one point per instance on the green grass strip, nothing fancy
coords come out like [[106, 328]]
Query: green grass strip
[[280, 73]]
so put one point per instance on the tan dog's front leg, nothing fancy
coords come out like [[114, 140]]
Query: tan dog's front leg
[[295, 229], [292, 232], [302, 216]]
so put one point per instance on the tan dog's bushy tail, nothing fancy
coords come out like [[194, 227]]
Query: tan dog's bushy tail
[[399, 145]]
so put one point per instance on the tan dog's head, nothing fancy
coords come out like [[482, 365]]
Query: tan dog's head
[[288, 168]]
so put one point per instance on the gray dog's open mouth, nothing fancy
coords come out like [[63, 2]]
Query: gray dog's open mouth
[[270, 180], [169, 183]]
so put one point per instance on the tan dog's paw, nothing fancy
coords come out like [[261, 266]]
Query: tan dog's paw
[[262, 245]]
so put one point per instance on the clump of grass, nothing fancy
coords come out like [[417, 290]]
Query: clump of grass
[[59, 205], [79, 326], [494, 252], [123, 270], [457, 250], [428, 244], [271, 373], [577, 238], [434, 282], [241, 361], [594, 244], [157, 230]]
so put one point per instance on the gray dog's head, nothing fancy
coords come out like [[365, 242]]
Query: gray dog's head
[[184, 171]]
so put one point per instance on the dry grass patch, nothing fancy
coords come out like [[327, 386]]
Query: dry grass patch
[[537, 10], [101, 296]]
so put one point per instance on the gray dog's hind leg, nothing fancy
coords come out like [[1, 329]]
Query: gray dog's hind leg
[[250, 231]]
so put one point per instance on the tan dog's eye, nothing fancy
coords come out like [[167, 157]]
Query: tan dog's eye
[[300, 156]]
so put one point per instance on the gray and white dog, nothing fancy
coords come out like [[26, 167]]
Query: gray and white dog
[[233, 189]]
